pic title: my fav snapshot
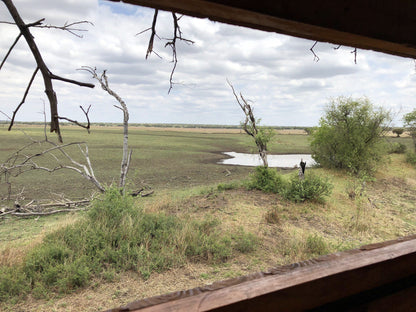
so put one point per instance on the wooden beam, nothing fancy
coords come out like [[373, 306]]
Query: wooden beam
[[381, 275], [384, 25]]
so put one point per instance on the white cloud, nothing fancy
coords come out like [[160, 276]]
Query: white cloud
[[277, 72]]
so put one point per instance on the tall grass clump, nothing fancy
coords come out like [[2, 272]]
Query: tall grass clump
[[312, 187], [266, 180], [116, 236]]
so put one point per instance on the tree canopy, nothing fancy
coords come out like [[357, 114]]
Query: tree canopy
[[349, 135]]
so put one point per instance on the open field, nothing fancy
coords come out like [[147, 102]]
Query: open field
[[181, 168]]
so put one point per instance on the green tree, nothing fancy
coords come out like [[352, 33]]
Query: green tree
[[410, 123], [350, 135], [398, 131]]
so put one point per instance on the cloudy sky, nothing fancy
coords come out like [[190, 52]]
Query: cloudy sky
[[278, 73]]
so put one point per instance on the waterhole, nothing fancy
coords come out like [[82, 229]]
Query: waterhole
[[278, 161]]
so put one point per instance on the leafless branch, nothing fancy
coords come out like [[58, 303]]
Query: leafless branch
[[10, 49], [87, 126], [66, 27], [315, 57], [23, 99], [355, 55], [21, 162], [41, 65], [7, 116], [171, 42], [152, 35], [69, 27]]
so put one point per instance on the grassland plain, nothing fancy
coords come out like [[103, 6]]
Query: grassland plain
[[181, 167]]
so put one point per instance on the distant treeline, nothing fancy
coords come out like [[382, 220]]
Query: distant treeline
[[158, 125]]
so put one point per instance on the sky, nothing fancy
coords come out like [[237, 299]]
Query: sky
[[277, 73]]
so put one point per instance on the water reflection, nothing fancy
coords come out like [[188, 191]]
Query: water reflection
[[280, 161]]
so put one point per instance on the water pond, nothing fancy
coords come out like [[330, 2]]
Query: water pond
[[278, 161]]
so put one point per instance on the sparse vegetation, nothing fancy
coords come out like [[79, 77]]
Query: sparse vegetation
[[219, 227], [116, 235]]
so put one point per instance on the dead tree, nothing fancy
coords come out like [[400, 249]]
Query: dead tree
[[24, 160], [41, 66], [261, 136], [125, 162]]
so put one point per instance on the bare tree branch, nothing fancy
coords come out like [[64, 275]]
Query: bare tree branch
[[65, 27], [171, 42], [80, 124], [19, 163], [69, 28], [46, 73], [355, 55], [23, 99], [315, 57], [152, 35], [10, 49]]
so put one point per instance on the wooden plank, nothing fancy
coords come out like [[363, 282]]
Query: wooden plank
[[306, 285], [383, 25]]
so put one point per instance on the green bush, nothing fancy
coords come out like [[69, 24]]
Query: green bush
[[397, 148], [266, 180], [411, 158], [227, 186], [245, 242], [13, 283], [350, 136], [313, 188]]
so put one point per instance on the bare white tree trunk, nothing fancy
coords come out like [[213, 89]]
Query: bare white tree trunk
[[250, 125], [125, 161]]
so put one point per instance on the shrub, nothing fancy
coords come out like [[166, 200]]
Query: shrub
[[350, 136], [316, 245], [205, 241], [312, 187], [266, 180], [397, 148], [411, 158], [227, 186], [13, 283], [245, 242]]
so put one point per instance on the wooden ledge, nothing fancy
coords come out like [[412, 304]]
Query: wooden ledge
[[371, 277]]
